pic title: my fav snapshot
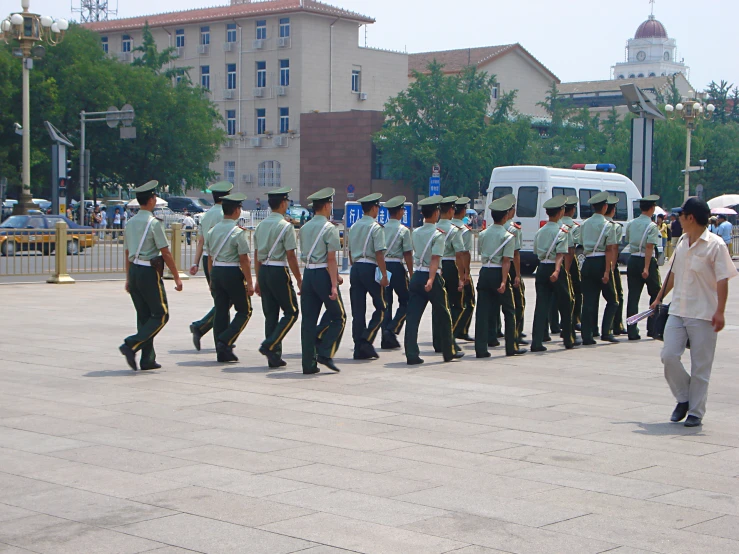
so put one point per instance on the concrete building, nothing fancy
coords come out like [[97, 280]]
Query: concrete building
[[264, 64], [513, 66]]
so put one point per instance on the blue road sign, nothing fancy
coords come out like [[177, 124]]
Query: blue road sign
[[434, 186], [353, 213]]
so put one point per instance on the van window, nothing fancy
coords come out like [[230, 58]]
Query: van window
[[622, 208], [528, 200], [637, 208], [500, 192], [559, 191], [585, 209]]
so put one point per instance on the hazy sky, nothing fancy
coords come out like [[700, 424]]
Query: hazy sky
[[578, 40]]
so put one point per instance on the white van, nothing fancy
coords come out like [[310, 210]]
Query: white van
[[534, 185]]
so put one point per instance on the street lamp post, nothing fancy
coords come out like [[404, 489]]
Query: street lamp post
[[27, 29], [691, 111]]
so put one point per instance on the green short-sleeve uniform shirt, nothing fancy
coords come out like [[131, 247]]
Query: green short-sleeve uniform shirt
[[421, 237], [213, 216], [465, 232], [573, 230], [237, 243], [546, 237], [591, 230], [640, 232], [402, 243], [268, 231], [329, 241], [367, 232], [490, 242], [516, 231], [453, 242], [154, 241]]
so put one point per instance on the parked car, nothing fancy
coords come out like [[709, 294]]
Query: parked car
[[182, 203], [294, 213], [17, 234]]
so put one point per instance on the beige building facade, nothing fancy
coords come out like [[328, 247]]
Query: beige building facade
[[263, 64]]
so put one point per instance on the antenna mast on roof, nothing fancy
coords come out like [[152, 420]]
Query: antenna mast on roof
[[95, 10]]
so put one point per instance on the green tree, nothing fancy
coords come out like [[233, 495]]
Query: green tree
[[718, 95], [155, 60]]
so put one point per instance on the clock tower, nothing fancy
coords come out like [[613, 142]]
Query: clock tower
[[651, 53]]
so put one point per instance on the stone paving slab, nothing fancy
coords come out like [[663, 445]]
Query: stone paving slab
[[562, 452]]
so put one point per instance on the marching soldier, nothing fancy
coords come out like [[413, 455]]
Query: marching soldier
[[427, 285], [275, 246], [462, 330], [550, 246], [496, 247], [399, 248], [367, 251], [320, 242], [618, 319], [230, 277], [209, 220], [519, 289], [452, 263], [598, 234], [643, 237], [147, 250], [572, 270]]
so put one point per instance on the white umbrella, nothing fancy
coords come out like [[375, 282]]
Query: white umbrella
[[161, 203], [724, 201], [659, 211]]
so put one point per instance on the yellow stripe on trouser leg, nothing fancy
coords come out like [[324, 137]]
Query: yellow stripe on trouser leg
[[343, 326]]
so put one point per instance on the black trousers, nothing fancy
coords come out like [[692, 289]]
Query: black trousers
[[278, 294], [399, 285], [592, 288], [490, 301], [450, 277], [618, 319], [441, 317], [362, 282], [545, 290], [206, 323], [554, 319], [229, 289], [468, 309], [314, 296], [152, 312], [636, 285], [519, 299]]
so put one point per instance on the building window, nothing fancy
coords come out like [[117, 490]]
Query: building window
[[621, 77], [356, 80], [494, 91], [269, 174], [284, 120], [204, 35], [126, 43], [180, 38], [652, 74], [261, 74], [632, 76], [528, 199], [231, 32], [641, 75], [284, 27], [231, 76], [261, 121], [284, 73], [261, 29], [230, 122], [205, 76], [229, 172], [104, 40]]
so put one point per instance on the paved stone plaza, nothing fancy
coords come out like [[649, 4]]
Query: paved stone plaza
[[561, 453]]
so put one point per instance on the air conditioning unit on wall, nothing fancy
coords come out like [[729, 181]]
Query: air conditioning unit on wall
[[228, 46], [363, 96], [258, 44], [256, 141], [246, 178], [283, 42]]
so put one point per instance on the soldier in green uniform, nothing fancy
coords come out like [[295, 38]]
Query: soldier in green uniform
[[598, 234], [496, 247], [643, 237], [231, 282], [399, 248], [462, 330], [618, 319], [145, 241], [519, 289], [452, 263], [550, 246], [274, 251], [571, 268], [209, 220], [320, 242], [367, 251], [427, 285]]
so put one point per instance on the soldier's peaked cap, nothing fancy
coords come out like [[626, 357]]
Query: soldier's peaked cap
[[430, 201], [284, 191], [395, 202], [556, 202], [612, 199], [572, 201], [323, 194], [222, 186], [462, 201], [598, 198], [373, 198], [236, 197], [147, 187], [653, 198], [449, 199], [501, 204]]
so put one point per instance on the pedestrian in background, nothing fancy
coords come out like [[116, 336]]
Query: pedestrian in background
[[189, 224], [725, 230], [699, 276], [676, 230], [662, 226], [117, 221], [713, 225]]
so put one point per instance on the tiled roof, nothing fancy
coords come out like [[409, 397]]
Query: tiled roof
[[249, 9], [456, 60], [612, 85]]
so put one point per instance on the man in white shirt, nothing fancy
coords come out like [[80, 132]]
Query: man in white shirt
[[189, 224], [699, 276]]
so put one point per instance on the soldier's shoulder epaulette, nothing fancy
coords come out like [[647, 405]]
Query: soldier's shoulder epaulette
[[565, 229], [441, 231], [517, 226], [242, 228], [576, 223]]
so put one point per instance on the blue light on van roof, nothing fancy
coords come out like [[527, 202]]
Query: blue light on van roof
[[595, 167]]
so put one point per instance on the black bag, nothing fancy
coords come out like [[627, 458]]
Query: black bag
[[662, 312]]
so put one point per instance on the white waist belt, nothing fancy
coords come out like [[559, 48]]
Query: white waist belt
[[365, 261], [398, 260], [491, 265], [449, 259], [316, 266], [225, 264], [639, 255], [423, 269], [142, 262], [277, 264], [547, 261], [595, 255]]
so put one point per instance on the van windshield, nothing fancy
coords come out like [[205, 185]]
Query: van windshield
[[528, 199]]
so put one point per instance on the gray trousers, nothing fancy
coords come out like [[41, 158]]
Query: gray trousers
[[689, 387]]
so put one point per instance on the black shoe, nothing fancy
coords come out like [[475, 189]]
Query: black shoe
[[225, 353], [501, 335], [518, 352], [588, 342], [328, 362], [494, 343], [596, 334], [634, 337], [196, 336], [149, 366], [681, 410], [130, 355], [577, 342], [578, 327], [362, 354], [273, 360], [523, 335], [311, 371], [521, 341], [547, 339], [485, 355], [458, 356], [414, 361], [389, 341], [283, 363], [693, 421], [556, 330], [539, 349], [609, 338], [467, 338], [618, 333]]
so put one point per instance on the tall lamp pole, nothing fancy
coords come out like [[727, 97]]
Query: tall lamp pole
[[27, 29], [691, 111]]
